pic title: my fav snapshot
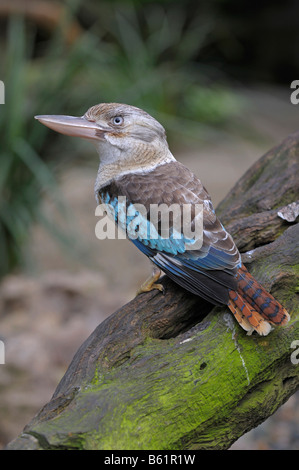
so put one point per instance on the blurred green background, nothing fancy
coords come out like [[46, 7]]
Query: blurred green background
[[186, 62], [215, 73]]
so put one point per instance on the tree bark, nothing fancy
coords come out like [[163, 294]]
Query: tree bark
[[173, 372]]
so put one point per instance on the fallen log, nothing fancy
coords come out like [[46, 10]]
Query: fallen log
[[172, 371]]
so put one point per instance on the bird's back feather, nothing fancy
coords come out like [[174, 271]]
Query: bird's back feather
[[208, 271]]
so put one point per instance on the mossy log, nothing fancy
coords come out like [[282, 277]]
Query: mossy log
[[172, 372]]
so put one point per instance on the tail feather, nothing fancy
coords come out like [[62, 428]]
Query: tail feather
[[248, 315], [240, 317], [253, 305]]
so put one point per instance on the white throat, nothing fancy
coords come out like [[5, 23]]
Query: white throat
[[116, 162]]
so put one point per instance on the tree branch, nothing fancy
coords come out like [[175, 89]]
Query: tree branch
[[172, 372]]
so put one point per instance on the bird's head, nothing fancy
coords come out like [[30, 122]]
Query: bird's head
[[121, 133]]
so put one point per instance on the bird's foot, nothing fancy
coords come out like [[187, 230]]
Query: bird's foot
[[150, 283]]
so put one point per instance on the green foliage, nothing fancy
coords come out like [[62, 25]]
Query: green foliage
[[24, 176], [17, 182]]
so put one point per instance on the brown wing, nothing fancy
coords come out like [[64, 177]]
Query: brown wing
[[208, 271]]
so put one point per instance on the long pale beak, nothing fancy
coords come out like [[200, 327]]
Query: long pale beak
[[73, 126]]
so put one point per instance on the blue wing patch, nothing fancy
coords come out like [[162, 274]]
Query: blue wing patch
[[208, 272]]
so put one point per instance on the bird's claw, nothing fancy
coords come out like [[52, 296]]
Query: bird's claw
[[149, 288], [150, 284]]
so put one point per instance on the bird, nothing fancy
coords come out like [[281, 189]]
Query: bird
[[137, 164]]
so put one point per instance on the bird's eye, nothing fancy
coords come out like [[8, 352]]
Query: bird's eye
[[118, 120]]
